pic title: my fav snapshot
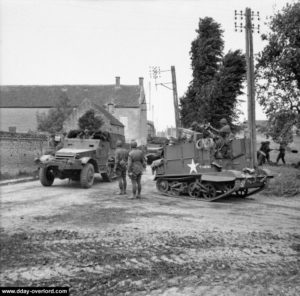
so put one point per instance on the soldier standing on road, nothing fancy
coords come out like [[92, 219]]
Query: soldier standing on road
[[136, 165], [281, 154], [121, 158]]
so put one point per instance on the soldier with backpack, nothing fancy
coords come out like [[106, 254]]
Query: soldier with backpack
[[121, 158], [136, 166]]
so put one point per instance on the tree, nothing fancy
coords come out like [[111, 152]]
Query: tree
[[89, 121], [217, 79], [278, 73], [52, 121]]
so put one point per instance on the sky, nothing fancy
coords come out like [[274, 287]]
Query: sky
[[93, 41]]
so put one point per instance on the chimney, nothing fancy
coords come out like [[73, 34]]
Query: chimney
[[141, 81], [117, 81]]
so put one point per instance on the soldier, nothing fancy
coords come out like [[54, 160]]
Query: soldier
[[51, 142], [223, 140], [224, 131], [121, 158], [282, 147], [51, 145], [86, 134], [136, 165], [263, 154]]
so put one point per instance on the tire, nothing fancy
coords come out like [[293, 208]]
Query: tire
[[46, 176], [87, 176], [108, 175]]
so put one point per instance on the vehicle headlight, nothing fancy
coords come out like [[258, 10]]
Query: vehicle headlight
[[45, 158]]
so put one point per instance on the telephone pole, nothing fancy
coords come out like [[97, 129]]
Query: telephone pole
[[155, 72], [249, 28], [175, 100]]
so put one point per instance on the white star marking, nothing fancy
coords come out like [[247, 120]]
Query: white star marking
[[193, 166]]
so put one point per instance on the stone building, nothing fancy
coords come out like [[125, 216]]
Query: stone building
[[110, 123], [19, 104]]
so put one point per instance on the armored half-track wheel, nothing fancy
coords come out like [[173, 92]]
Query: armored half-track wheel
[[87, 176], [162, 185], [108, 175], [194, 190], [46, 176], [209, 191]]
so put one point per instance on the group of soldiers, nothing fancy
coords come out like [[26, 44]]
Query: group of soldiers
[[222, 137], [263, 154], [133, 163]]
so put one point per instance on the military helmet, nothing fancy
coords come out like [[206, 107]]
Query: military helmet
[[119, 143], [133, 144], [223, 121]]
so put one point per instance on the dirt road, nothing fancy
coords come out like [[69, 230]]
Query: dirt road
[[99, 243]]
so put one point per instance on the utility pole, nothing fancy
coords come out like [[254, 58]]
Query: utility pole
[[175, 99], [155, 72], [249, 15]]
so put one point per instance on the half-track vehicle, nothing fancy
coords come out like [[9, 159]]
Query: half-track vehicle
[[197, 169], [79, 160]]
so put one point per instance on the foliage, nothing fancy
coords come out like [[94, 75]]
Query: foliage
[[278, 72], [280, 126], [89, 121], [217, 79], [52, 121]]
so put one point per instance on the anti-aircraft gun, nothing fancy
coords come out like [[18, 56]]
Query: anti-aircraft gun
[[208, 168]]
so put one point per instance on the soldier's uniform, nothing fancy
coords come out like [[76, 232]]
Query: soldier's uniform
[[136, 166], [121, 158], [223, 141], [51, 145], [281, 154]]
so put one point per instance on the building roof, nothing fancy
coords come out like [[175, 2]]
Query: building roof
[[113, 120], [45, 96]]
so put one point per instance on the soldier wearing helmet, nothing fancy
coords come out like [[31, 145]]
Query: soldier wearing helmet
[[136, 166], [223, 138], [121, 158], [224, 131]]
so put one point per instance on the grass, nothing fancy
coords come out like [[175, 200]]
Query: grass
[[286, 182]]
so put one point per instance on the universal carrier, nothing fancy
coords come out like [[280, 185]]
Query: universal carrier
[[197, 169]]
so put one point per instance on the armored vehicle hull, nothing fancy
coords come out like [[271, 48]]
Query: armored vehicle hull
[[192, 169], [78, 160]]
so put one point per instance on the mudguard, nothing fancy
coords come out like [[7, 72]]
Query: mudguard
[[85, 160]]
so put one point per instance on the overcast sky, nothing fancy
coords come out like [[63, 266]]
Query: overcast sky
[[92, 41]]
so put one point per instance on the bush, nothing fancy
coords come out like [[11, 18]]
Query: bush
[[286, 182]]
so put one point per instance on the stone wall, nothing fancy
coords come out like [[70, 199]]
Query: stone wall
[[18, 152], [24, 119]]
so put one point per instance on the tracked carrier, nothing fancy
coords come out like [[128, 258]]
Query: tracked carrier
[[196, 169]]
